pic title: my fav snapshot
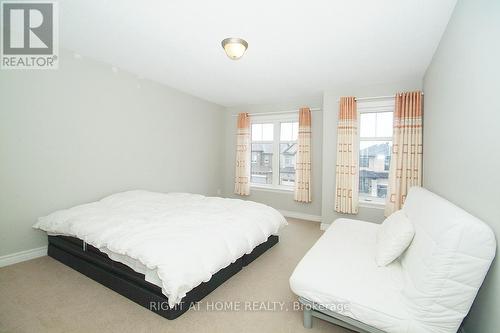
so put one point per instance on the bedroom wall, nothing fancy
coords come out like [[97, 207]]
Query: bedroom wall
[[462, 131], [278, 200], [330, 112], [76, 134], [324, 150]]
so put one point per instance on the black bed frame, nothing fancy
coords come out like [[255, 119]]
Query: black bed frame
[[91, 262]]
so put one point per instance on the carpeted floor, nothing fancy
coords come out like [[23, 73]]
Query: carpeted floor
[[43, 295]]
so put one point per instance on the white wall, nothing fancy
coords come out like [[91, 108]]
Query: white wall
[[79, 133], [330, 112], [82, 132], [284, 200], [462, 131]]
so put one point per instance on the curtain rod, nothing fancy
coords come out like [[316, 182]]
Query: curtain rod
[[277, 112], [374, 97]]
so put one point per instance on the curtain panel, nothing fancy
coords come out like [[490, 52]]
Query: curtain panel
[[346, 185], [303, 160], [406, 160], [242, 172]]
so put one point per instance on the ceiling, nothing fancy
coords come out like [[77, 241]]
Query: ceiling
[[297, 49]]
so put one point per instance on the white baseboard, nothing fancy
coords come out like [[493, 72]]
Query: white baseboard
[[324, 226], [14, 258], [301, 216]]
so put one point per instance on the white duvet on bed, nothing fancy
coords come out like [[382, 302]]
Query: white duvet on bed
[[185, 238]]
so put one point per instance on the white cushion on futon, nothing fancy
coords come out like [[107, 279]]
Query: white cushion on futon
[[445, 264]]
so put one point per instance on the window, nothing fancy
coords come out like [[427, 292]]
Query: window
[[375, 146], [274, 147], [262, 153], [288, 149]]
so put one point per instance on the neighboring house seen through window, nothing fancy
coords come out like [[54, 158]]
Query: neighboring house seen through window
[[274, 148], [375, 146]]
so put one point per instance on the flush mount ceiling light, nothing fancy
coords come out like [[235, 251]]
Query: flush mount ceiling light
[[234, 47]]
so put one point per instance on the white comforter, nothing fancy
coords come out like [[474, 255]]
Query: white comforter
[[185, 238]]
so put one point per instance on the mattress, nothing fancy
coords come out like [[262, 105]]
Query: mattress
[[177, 240], [79, 249], [352, 284], [150, 275]]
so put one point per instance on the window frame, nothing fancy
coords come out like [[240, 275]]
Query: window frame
[[276, 120], [373, 106]]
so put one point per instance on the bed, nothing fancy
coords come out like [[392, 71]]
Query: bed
[[164, 251]]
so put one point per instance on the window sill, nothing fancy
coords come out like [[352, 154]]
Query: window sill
[[371, 204], [281, 189]]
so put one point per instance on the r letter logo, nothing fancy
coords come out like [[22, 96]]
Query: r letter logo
[[29, 35]]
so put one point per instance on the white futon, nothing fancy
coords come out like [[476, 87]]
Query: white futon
[[429, 288]]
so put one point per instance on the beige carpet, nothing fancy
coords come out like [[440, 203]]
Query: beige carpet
[[43, 295]]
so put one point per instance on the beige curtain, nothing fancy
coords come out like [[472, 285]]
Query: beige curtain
[[346, 185], [242, 172], [406, 160], [303, 160]]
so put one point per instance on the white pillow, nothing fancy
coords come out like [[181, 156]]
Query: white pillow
[[393, 237]]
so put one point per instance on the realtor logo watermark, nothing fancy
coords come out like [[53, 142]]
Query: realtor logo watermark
[[30, 37]]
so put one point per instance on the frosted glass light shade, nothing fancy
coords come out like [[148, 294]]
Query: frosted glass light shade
[[234, 47]]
